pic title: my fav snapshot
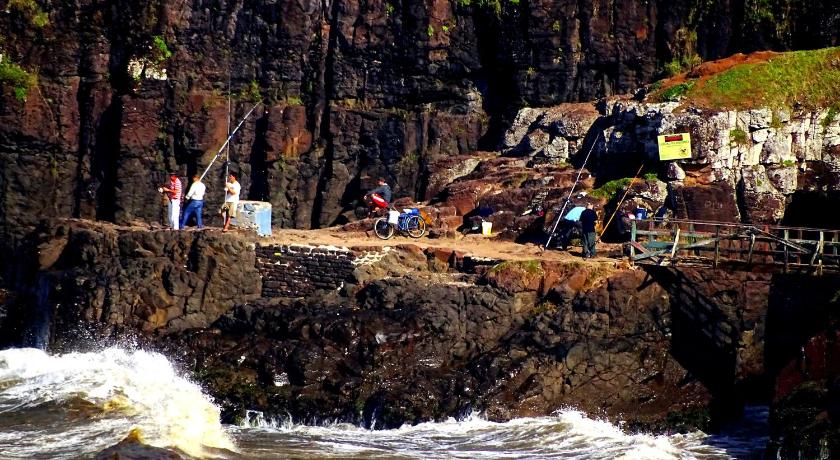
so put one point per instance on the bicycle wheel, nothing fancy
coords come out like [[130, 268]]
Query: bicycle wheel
[[416, 227], [383, 229]]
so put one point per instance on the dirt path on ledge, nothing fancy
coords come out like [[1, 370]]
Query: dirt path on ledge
[[474, 245]]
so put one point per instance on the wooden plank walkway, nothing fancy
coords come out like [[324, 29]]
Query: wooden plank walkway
[[757, 248]]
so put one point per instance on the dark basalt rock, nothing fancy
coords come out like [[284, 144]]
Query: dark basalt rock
[[407, 350], [351, 90]]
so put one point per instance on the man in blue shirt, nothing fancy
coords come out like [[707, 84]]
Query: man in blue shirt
[[587, 222]]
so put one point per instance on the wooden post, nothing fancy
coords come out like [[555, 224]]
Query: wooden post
[[676, 242], [786, 250], [752, 245], [819, 249], [632, 239], [717, 246], [799, 256]]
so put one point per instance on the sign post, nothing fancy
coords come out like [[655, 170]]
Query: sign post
[[674, 146]]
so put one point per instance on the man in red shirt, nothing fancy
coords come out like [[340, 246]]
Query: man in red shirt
[[173, 192]]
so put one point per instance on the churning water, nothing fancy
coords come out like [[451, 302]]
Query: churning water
[[75, 405]]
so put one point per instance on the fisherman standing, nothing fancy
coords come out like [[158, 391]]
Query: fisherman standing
[[196, 195], [173, 192], [232, 188], [587, 222]]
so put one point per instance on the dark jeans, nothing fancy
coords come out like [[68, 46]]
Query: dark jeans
[[566, 231], [587, 241], [193, 207]]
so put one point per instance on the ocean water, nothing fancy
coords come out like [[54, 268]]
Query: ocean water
[[75, 405]]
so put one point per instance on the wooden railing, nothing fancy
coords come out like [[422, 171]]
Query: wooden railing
[[735, 246]]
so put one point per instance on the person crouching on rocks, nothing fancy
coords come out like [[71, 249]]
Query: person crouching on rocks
[[173, 193], [232, 188], [196, 195], [587, 222]]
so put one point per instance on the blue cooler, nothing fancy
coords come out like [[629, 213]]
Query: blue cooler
[[255, 215], [641, 213]]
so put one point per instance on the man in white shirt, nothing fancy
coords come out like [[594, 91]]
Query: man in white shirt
[[232, 189], [196, 194]]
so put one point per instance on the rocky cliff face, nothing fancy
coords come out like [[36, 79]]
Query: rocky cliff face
[[115, 282], [759, 166], [114, 94], [403, 335]]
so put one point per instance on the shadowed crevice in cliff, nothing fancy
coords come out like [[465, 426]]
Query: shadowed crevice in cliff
[[795, 315], [86, 182], [326, 164], [495, 80], [260, 188], [106, 157], [813, 209]]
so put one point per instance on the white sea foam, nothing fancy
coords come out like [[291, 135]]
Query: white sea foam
[[74, 405], [569, 434], [99, 397]]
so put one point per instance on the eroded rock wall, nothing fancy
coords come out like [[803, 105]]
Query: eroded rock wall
[[759, 166], [352, 90], [108, 281], [402, 334]]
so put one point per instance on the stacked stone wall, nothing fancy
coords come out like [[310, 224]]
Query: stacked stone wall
[[298, 270]]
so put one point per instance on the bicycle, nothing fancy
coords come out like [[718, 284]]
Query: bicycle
[[407, 222]]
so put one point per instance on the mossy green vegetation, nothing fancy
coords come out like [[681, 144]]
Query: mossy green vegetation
[[739, 137], [493, 5], [18, 78], [676, 92], [160, 50], [251, 92], [293, 100], [685, 56], [30, 8], [830, 116], [531, 267], [609, 189], [797, 79]]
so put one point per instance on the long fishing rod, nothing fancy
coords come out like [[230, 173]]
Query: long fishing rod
[[228, 140], [623, 197], [227, 152], [568, 198]]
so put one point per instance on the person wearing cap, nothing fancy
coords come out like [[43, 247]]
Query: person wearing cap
[[232, 189], [196, 197], [173, 193]]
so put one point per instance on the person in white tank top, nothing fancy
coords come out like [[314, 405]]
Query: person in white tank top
[[232, 189]]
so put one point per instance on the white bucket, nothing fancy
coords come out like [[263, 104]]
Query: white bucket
[[393, 217], [486, 228]]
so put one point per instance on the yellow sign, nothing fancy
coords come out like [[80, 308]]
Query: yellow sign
[[675, 146]]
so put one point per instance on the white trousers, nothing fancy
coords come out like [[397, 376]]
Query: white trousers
[[174, 213]]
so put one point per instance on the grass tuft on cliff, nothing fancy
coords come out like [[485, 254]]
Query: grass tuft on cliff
[[531, 267], [610, 189], [797, 79], [33, 12], [18, 78]]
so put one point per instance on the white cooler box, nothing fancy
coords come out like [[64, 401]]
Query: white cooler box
[[255, 215]]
